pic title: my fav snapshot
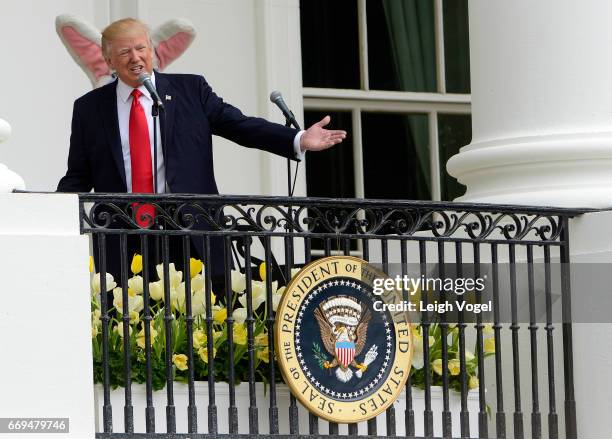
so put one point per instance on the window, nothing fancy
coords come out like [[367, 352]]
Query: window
[[395, 75]]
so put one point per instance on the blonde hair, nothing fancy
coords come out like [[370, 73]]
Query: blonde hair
[[119, 28]]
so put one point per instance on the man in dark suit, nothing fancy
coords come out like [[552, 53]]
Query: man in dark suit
[[110, 144]]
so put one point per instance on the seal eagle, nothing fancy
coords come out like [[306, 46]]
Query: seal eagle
[[343, 323]]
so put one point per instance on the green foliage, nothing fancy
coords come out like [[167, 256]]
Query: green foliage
[[318, 354], [435, 365], [176, 323]]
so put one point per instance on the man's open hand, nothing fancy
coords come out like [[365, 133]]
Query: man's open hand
[[317, 138]]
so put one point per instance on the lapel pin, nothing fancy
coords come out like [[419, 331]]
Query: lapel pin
[[168, 97]]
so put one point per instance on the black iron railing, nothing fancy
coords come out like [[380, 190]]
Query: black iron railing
[[239, 232]]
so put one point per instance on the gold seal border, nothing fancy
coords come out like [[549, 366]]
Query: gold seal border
[[292, 372]]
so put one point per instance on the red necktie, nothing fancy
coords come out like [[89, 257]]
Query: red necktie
[[140, 154]]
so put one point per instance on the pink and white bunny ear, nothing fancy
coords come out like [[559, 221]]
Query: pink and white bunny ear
[[171, 39], [83, 42]]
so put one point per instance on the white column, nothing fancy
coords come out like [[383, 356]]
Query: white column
[[45, 319], [541, 104], [8, 179], [542, 135]]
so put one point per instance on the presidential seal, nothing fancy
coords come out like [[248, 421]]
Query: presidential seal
[[344, 361]]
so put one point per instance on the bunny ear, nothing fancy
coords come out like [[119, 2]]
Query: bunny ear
[[83, 42], [171, 39]]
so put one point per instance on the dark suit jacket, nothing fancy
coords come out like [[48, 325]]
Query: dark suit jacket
[[193, 114]]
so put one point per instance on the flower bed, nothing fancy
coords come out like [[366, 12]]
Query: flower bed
[[220, 353]]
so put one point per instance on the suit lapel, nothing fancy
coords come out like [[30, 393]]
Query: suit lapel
[[165, 91], [108, 111]]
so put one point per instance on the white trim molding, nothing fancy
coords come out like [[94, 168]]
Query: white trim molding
[[571, 170]]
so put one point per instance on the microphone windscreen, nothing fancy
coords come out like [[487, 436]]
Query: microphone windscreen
[[143, 77], [275, 95]]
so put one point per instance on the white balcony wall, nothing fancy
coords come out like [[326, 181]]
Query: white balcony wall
[[45, 323]]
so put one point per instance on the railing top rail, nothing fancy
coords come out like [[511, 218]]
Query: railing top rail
[[311, 201], [337, 202]]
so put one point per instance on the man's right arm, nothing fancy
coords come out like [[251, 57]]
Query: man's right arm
[[78, 177]]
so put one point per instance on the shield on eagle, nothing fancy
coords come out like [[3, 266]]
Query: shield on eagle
[[345, 352], [343, 323]]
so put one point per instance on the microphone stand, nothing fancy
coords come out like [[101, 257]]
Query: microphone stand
[[288, 125], [290, 121], [155, 114]]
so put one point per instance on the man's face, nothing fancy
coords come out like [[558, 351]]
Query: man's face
[[129, 55]]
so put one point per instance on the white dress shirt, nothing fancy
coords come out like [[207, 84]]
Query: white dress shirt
[[124, 105]]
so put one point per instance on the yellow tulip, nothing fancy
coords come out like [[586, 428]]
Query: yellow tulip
[[140, 337], [240, 334], [136, 264], [91, 264], [473, 383], [219, 315], [261, 339], [95, 317], [488, 329], [199, 338], [454, 366], [263, 354], [203, 353], [195, 266], [437, 366], [180, 361], [489, 345], [95, 323], [262, 271]]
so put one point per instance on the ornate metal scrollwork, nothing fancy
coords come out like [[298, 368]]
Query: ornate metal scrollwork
[[334, 217]]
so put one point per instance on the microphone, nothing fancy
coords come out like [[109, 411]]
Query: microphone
[[145, 79], [277, 98]]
